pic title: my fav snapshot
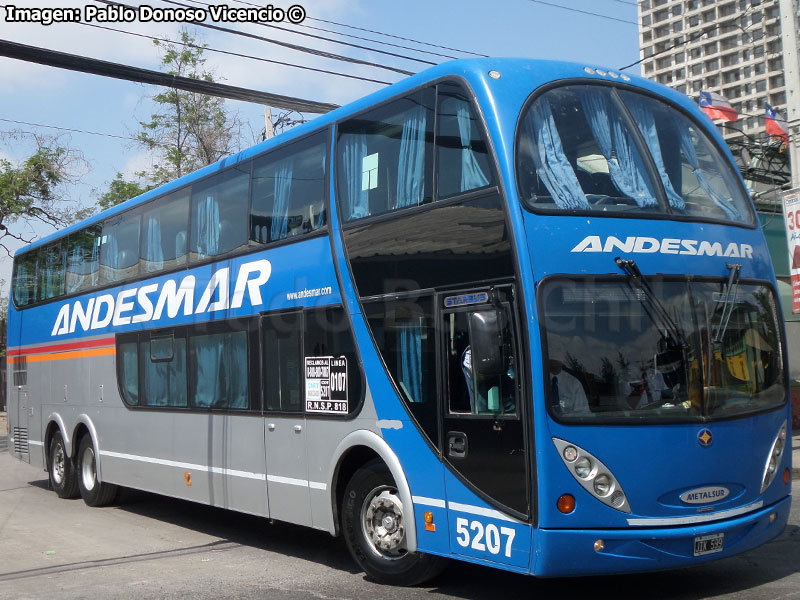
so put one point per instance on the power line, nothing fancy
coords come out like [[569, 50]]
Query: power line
[[584, 12], [297, 47], [228, 52], [366, 39], [111, 135], [94, 66], [311, 35]]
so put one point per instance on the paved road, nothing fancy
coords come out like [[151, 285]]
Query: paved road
[[152, 547]]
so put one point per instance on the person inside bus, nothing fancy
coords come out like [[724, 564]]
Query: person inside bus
[[566, 392]]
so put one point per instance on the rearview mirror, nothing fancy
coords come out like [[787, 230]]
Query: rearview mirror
[[485, 330]]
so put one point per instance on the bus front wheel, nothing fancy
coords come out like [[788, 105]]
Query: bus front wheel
[[93, 492], [374, 529], [61, 469]]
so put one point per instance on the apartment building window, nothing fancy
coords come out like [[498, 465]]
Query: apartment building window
[[773, 29], [648, 68], [692, 5], [709, 16], [727, 9], [695, 53], [710, 48], [663, 62], [646, 20], [662, 31], [680, 57], [712, 81], [773, 46], [647, 36], [761, 85], [696, 69], [660, 15], [777, 99], [774, 64], [777, 81], [712, 65], [730, 60], [729, 43], [694, 21], [680, 74], [681, 88], [677, 26]]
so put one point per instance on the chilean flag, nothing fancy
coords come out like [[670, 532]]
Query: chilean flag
[[776, 124], [716, 107]]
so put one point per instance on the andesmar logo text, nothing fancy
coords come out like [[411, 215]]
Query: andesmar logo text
[[649, 245], [148, 303]]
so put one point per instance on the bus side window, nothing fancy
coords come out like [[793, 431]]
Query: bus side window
[[219, 370], [463, 155], [83, 259], [288, 192], [50, 271], [404, 331], [282, 355], [163, 372], [165, 231], [385, 157], [119, 247], [25, 280], [128, 371], [219, 209]]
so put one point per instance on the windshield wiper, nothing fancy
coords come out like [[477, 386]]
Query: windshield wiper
[[729, 301], [637, 280]]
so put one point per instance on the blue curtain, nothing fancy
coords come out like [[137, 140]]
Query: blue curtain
[[154, 253], [411, 163], [690, 153], [356, 199], [624, 164], [207, 226], [551, 163], [472, 176], [130, 372], [221, 370], [410, 372], [165, 382], [647, 125], [283, 188]]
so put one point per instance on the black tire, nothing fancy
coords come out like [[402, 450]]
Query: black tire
[[93, 492], [370, 495], [61, 469]]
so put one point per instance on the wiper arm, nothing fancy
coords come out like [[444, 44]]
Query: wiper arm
[[730, 299], [638, 280]]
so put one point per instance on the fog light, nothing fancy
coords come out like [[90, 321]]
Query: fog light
[[599, 546], [583, 467], [566, 503]]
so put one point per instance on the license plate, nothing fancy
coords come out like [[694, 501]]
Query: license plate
[[708, 544]]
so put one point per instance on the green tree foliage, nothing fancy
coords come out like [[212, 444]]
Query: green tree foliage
[[189, 130], [120, 190], [32, 190]]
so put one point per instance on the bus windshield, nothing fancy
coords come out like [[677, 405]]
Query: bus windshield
[[685, 351], [596, 149]]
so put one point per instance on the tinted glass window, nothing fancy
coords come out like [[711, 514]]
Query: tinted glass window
[[128, 370], [332, 369], [165, 225], [119, 248], [668, 352], [576, 152], [25, 281], [384, 157], [164, 379], [289, 191], [219, 213], [50, 271], [404, 331], [283, 361], [463, 156], [697, 180], [219, 367], [83, 259]]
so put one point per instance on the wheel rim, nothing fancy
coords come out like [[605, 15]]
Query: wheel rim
[[88, 475], [59, 460], [382, 523]]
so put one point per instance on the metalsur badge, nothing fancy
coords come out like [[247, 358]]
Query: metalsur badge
[[705, 495]]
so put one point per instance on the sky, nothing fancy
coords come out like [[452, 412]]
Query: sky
[[36, 96]]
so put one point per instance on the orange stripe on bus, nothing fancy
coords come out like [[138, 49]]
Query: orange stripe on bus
[[64, 355]]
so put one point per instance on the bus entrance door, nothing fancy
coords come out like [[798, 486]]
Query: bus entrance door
[[483, 427], [285, 425]]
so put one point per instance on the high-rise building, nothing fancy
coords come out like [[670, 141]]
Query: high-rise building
[[731, 47]]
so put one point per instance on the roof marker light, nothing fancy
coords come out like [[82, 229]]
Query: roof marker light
[[600, 72], [589, 70]]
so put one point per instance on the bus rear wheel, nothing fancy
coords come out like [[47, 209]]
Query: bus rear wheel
[[93, 492], [61, 469], [374, 529]]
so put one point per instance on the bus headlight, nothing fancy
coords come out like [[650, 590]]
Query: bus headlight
[[774, 458], [593, 475]]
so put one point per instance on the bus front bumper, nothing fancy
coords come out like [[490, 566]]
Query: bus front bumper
[[565, 553]]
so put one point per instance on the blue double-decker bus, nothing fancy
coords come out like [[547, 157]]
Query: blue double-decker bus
[[513, 312]]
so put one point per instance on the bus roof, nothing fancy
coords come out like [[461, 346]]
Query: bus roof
[[527, 75]]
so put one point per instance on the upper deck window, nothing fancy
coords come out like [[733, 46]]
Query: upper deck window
[[594, 149]]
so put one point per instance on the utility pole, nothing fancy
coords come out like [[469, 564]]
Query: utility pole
[[269, 129], [791, 67]]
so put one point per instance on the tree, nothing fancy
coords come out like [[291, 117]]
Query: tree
[[190, 130], [32, 190], [120, 190]]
